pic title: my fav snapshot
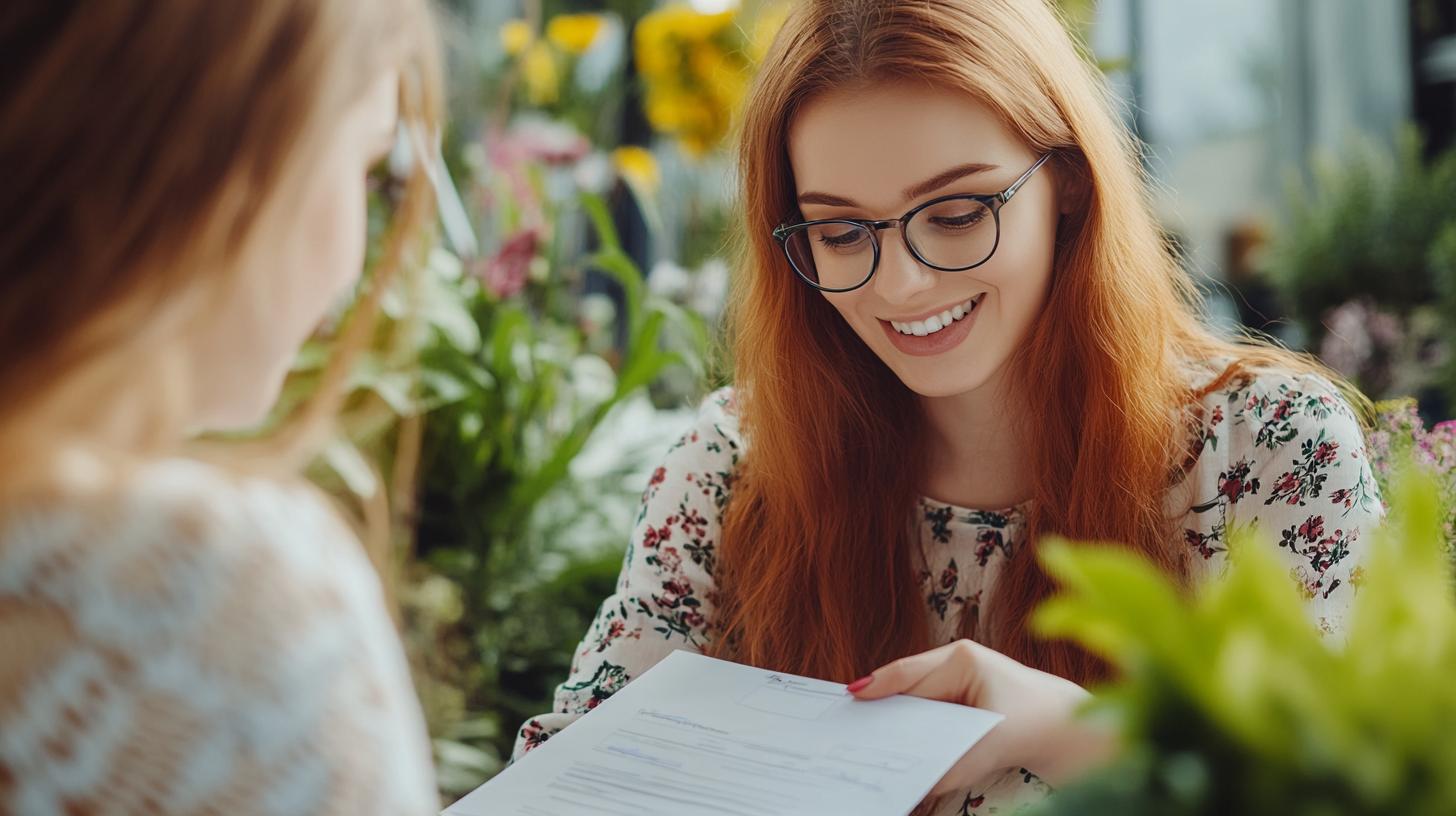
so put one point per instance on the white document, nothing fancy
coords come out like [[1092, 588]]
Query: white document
[[696, 736]]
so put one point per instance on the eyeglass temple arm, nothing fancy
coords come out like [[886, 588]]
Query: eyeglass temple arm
[[1016, 185]]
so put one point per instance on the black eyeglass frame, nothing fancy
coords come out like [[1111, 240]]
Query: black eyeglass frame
[[994, 203]]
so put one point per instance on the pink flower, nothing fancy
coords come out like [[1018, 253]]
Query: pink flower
[[1312, 528], [505, 274], [554, 143], [1289, 483], [673, 593]]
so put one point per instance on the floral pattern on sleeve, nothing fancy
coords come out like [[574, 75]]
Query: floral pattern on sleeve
[[665, 596], [1298, 471]]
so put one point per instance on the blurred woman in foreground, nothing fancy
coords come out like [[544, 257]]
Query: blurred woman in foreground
[[184, 200]]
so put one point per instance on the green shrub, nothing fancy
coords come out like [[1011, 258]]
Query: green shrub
[[1366, 229], [1231, 700]]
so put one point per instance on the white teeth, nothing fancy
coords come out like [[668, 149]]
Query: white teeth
[[934, 323]]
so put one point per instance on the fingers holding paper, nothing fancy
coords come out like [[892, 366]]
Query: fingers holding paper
[[1041, 731], [949, 674]]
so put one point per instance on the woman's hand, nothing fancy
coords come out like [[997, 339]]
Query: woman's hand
[[1040, 732]]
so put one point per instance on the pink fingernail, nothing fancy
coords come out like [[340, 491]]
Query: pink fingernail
[[859, 684]]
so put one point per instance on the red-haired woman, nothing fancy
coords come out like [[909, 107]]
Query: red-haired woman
[[959, 329]]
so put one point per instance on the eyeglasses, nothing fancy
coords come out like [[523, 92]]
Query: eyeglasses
[[952, 233]]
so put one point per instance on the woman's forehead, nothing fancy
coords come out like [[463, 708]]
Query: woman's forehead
[[875, 144]]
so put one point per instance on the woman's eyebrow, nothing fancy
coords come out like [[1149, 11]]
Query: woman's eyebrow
[[930, 185], [956, 173], [827, 200]]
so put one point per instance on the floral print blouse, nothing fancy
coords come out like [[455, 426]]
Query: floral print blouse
[[1283, 452]]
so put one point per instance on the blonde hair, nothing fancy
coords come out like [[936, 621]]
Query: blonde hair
[[814, 568], [144, 141]]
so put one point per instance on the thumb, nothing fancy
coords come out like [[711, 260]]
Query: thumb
[[948, 673]]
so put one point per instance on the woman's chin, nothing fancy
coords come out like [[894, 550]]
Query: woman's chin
[[941, 388], [939, 377]]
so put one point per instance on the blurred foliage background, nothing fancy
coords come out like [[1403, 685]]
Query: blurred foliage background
[[555, 341], [566, 320]]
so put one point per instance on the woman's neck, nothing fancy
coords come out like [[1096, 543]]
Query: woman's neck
[[125, 414], [976, 450]]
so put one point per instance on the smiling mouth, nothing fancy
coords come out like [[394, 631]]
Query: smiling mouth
[[935, 323]]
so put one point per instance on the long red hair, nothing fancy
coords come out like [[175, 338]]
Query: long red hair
[[817, 569]]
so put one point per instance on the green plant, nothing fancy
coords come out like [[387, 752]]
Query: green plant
[[511, 565], [1360, 262], [1232, 701], [1366, 228]]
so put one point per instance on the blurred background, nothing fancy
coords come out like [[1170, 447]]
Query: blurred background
[[499, 435]]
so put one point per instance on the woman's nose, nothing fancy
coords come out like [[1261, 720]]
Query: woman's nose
[[900, 277]]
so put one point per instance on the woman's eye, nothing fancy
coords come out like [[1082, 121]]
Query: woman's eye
[[842, 239], [963, 220]]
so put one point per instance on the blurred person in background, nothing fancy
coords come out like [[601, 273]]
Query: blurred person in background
[[957, 330], [184, 200]]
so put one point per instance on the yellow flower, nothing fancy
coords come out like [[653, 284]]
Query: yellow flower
[[696, 69], [662, 107], [719, 73], [694, 26], [516, 37], [638, 168], [706, 60], [663, 34], [656, 55], [542, 78], [701, 124], [575, 33]]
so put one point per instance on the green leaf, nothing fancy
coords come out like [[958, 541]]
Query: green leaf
[[352, 467], [1118, 605], [443, 307]]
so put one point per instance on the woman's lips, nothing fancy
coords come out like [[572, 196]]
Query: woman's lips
[[938, 342]]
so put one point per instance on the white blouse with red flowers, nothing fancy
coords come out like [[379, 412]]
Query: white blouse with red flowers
[[1283, 452]]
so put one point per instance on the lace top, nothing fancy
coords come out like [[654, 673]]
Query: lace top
[[196, 642], [1285, 453]]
